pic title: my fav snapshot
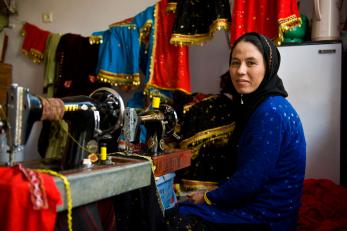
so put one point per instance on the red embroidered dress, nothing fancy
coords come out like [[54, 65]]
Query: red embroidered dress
[[34, 42], [269, 17], [171, 63]]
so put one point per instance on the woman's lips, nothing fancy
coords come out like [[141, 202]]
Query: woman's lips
[[242, 82]]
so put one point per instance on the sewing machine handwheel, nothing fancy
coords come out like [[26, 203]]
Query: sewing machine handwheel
[[170, 117], [111, 109]]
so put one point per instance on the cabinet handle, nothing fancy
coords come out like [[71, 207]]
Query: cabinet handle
[[327, 51]]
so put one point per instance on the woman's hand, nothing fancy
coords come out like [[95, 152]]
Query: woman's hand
[[197, 197]]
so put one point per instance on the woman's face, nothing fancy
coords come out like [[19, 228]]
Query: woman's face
[[247, 67]]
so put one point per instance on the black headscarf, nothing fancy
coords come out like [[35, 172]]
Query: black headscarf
[[271, 85]]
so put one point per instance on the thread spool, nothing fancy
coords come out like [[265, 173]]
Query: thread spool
[[155, 102], [103, 152]]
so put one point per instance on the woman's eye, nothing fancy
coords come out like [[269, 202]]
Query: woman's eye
[[251, 63], [235, 63]]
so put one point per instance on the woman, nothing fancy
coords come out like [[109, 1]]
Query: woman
[[269, 142]]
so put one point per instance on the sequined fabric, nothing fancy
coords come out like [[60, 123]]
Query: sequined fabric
[[197, 20], [211, 160], [141, 44], [269, 17], [262, 191], [217, 109], [191, 223], [118, 57], [76, 64], [171, 63]]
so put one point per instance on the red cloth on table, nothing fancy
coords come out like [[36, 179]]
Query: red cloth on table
[[323, 206], [17, 210], [268, 17]]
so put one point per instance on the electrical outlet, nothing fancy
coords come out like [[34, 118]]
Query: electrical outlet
[[47, 17]]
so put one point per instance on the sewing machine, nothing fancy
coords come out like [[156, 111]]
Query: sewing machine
[[158, 124], [90, 118], [104, 110], [94, 117]]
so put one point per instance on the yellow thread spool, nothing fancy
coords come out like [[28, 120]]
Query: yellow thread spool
[[155, 102], [103, 153]]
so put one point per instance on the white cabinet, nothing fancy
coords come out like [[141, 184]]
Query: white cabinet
[[312, 76]]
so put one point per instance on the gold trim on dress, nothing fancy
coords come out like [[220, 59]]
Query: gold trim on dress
[[198, 183], [151, 85], [114, 79], [219, 24], [36, 56], [171, 7], [23, 32], [188, 106], [95, 39], [152, 55], [145, 32], [199, 39], [207, 201], [152, 52], [202, 138], [124, 23], [186, 186]]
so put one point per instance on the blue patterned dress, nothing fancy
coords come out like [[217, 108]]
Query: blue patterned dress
[[267, 185]]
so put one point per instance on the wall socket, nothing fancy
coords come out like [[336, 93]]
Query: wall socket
[[47, 17]]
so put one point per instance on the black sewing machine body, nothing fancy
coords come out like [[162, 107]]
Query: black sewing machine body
[[92, 117], [156, 124]]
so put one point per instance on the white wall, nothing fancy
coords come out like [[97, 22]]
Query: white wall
[[208, 62]]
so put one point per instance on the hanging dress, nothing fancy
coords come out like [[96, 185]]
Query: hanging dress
[[197, 20], [269, 17]]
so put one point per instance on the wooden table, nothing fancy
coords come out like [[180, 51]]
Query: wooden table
[[171, 161]]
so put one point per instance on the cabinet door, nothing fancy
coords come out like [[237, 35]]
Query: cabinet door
[[312, 77]]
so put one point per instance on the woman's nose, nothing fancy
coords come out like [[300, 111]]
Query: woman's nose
[[242, 68]]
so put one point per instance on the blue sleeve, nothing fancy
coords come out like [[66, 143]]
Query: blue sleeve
[[258, 152]]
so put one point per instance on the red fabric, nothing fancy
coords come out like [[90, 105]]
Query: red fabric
[[34, 38], [323, 206], [262, 16], [171, 63], [17, 212], [34, 42]]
